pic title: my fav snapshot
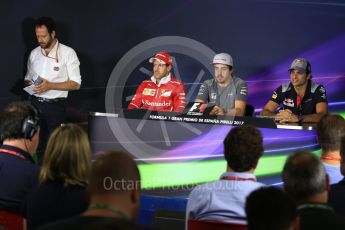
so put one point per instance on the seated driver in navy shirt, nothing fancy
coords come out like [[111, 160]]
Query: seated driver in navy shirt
[[302, 99]]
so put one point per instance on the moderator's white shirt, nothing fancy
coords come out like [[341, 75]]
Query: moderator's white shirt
[[66, 68]]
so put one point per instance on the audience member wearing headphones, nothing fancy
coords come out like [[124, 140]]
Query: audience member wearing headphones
[[63, 178], [19, 129], [302, 99]]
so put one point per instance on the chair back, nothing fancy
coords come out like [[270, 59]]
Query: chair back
[[211, 225], [11, 221], [168, 220]]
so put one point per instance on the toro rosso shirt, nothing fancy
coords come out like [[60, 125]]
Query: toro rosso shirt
[[287, 96], [167, 96]]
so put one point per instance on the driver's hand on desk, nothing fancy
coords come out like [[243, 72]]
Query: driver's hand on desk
[[286, 116], [43, 87], [217, 111]]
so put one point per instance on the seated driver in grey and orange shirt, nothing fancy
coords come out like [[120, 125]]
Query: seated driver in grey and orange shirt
[[226, 91], [162, 92]]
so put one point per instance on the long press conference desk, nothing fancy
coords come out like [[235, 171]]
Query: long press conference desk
[[175, 149]]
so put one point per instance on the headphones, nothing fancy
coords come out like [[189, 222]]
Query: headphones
[[30, 123]]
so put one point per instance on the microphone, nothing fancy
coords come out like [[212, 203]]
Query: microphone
[[299, 105]]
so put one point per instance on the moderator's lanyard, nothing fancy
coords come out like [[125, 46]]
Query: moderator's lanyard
[[56, 53], [14, 153]]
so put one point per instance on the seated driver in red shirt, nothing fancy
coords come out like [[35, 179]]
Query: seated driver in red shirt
[[162, 92]]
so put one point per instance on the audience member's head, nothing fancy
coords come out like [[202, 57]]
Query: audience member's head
[[19, 126], [115, 180], [342, 155], [243, 146], [67, 157], [330, 129], [279, 210], [305, 178]]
